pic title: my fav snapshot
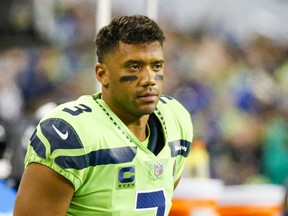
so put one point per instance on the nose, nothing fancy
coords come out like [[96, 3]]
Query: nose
[[147, 77]]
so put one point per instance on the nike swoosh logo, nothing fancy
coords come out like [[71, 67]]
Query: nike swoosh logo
[[63, 136]]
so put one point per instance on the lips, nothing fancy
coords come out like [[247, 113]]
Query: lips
[[149, 94], [149, 97]]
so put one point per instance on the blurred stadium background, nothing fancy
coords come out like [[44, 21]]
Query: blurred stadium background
[[226, 61]]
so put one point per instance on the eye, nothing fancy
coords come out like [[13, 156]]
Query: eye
[[158, 66], [134, 67]]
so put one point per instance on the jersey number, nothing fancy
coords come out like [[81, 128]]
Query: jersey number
[[78, 109], [150, 200]]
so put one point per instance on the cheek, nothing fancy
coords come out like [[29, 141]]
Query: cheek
[[121, 88]]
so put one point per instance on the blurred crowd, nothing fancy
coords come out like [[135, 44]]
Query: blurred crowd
[[237, 93]]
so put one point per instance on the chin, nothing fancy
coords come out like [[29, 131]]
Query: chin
[[148, 110]]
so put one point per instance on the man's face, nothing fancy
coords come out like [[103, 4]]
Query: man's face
[[134, 78]]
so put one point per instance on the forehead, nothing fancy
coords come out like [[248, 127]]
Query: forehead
[[142, 51], [142, 46]]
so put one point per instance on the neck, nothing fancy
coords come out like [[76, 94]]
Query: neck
[[136, 124], [139, 127]]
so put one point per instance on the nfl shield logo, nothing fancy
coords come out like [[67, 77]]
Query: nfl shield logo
[[158, 169]]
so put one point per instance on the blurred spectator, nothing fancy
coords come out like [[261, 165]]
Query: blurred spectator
[[275, 149]]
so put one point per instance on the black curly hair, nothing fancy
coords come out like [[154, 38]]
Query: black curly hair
[[127, 29]]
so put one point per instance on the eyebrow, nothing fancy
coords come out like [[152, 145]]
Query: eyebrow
[[128, 62]]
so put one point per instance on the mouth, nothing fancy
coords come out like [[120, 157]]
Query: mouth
[[151, 97]]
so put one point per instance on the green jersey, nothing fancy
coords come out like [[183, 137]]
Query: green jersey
[[112, 172]]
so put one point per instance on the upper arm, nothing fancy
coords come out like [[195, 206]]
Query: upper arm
[[42, 192]]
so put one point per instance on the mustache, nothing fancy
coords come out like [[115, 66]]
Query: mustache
[[148, 91]]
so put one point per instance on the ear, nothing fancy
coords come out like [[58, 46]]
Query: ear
[[102, 75]]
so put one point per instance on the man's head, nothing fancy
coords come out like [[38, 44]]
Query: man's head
[[127, 29], [131, 65]]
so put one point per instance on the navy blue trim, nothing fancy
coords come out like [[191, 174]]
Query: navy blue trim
[[156, 139], [165, 96], [49, 129], [33, 135], [38, 146], [180, 147], [96, 158]]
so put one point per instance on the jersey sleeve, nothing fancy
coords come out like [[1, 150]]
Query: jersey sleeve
[[55, 144], [184, 146], [186, 131], [181, 131]]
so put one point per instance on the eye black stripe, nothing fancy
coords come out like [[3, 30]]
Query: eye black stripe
[[128, 78], [159, 77]]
